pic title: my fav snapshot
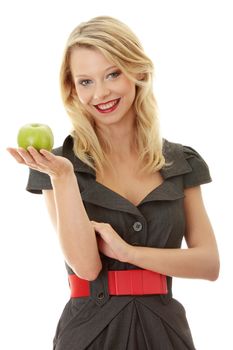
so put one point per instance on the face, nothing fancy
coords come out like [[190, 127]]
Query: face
[[104, 91]]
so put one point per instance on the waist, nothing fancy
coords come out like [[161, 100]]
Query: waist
[[123, 282]]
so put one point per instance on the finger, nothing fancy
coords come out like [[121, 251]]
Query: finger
[[37, 156], [100, 223], [48, 155], [28, 159], [23, 154], [14, 153], [94, 222]]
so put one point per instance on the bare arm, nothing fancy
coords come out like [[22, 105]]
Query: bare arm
[[50, 204], [75, 232], [200, 260]]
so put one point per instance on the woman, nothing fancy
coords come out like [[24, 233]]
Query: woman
[[121, 199]]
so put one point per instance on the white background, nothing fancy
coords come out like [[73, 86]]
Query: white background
[[190, 43]]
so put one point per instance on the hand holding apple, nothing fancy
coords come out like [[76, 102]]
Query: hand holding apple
[[35, 143], [37, 135]]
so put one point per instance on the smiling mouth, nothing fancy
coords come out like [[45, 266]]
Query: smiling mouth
[[107, 107]]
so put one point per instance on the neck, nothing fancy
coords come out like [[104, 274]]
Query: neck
[[122, 138]]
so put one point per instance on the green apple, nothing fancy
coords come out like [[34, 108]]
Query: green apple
[[37, 135]]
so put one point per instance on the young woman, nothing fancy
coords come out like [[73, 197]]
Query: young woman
[[121, 199]]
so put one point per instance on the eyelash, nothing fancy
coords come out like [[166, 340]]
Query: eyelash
[[116, 74], [87, 81]]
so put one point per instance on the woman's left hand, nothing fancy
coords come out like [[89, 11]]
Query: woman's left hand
[[110, 243]]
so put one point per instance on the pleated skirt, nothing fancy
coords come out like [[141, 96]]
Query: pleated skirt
[[123, 323]]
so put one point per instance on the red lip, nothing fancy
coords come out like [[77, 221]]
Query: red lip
[[104, 103], [109, 109]]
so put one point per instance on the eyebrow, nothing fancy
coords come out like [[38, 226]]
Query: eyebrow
[[85, 75]]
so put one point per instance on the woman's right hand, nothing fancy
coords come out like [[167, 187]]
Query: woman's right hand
[[43, 160]]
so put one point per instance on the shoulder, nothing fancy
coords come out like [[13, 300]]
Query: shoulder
[[38, 181], [186, 161]]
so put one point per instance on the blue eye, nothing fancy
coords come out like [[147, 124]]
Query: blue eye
[[84, 82], [114, 74]]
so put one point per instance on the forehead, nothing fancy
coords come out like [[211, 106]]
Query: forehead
[[88, 61]]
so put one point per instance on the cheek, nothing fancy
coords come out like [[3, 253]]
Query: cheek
[[128, 88], [83, 95]]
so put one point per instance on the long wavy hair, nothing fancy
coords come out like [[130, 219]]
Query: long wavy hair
[[120, 46]]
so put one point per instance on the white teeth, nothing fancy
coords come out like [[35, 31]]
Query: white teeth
[[107, 105]]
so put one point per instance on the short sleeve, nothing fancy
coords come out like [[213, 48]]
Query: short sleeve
[[38, 181], [200, 173]]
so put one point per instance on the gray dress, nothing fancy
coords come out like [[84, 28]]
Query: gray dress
[[137, 322]]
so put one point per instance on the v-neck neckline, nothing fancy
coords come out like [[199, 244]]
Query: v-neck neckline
[[117, 194]]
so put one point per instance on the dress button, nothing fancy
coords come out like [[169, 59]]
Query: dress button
[[137, 226], [100, 296]]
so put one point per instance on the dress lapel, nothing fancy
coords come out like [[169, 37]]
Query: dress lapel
[[100, 195], [167, 191], [103, 196]]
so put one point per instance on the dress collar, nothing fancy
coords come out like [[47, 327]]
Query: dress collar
[[173, 153], [100, 195], [79, 165], [176, 160]]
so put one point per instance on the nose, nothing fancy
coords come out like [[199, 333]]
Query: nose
[[101, 92]]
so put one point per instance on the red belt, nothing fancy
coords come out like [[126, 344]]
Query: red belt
[[123, 282]]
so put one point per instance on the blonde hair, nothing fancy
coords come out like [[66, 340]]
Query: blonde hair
[[120, 46]]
